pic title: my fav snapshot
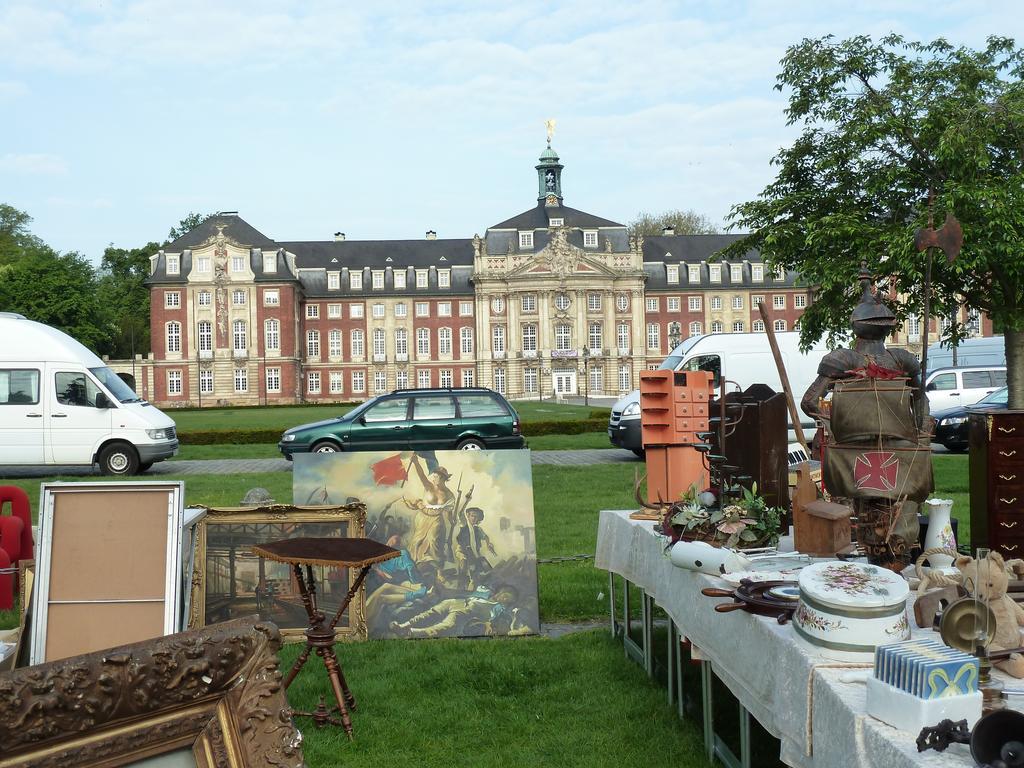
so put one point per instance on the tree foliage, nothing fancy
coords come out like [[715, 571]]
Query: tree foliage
[[15, 238], [126, 299], [887, 126], [683, 222], [186, 225], [59, 290]]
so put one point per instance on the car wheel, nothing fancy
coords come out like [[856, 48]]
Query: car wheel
[[325, 446], [119, 459], [471, 444], [145, 466]]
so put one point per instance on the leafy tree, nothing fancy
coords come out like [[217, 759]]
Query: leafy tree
[[122, 292], [887, 126], [683, 222], [186, 225], [15, 237], [59, 290]]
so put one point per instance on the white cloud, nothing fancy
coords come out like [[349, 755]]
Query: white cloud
[[50, 165]]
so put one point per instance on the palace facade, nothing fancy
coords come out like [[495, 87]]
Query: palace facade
[[553, 301]]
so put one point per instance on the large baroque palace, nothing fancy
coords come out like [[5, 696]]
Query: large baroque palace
[[553, 301]]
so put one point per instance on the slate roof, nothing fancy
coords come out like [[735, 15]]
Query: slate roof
[[686, 250], [235, 228], [332, 254], [538, 218]]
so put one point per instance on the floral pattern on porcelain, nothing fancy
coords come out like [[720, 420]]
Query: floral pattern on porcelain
[[852, 579], [946, 537], [900, 629], [805, 617]]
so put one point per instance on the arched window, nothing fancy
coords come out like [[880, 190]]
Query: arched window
[[174, 337], [378, 342], [779, 325], [239, 338], [717, 326], [696, 328], [272, 334], [737, 326], [205, 330], [401, 341]]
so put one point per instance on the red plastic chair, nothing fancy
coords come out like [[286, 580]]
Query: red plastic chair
[[16, 542]]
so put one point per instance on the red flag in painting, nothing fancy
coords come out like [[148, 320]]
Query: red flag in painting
[[389, 471]]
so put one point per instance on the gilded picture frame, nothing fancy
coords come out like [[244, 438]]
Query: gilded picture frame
[[215, 695], [230, 581]]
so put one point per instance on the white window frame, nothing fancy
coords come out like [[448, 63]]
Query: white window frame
[[528, 303], [173, 264], [595, 335], [377, 310], [529, 337], [358, 382], [333, 281], [498, 339], [334, 343], [422, 278], [465, 341], [272, 334], [757, 273], [779, 325], [313, 382], [738, 326], [445, 378], [757, 326], [737, 302], [717, 326], [715, 304], [593, 302], [355, 280], [736, 273], [696, 328], [357, 343], [423, 378], [335, 382], [401, 379], [672, 304], [203, 265], [270, 262], [693, 273], [526, 240], [563, 337], [590, 238], [444, 341], [444, 309], [237, 263], [623, 337], [422, 309], [401, 309], [174, 380], [465, 309], [380, 382], [377, 279], [204, 299], [651, 303], [241, 380], [172, 299], [671, 273], [206, 381], [313, 345], [779, 301], [378, 343], [204, 336], [422, 342], [172, 336], [444, 278], [654, 336], [800, 301], [313, 311], [239, 298], [622, 302], [271, 297], [356, 311], [399, 277], [695, 303], [715, 273], [333, 311], [401, 342], [468, 377], [272, 379], [625, 378]]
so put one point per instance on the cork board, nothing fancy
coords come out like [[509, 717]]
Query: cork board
[[112, 566]]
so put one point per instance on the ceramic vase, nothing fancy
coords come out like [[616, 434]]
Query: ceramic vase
[[940, 531]]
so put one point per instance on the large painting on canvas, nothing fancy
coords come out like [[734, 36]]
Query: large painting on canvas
[[463, 521]]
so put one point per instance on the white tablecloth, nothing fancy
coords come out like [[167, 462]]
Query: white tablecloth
[[795, 693]]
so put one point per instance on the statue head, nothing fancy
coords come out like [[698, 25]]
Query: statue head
[[871, 319]]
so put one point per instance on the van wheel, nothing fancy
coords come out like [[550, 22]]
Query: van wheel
[[145, 466], [325, 446], [119, 459], [470, 444]]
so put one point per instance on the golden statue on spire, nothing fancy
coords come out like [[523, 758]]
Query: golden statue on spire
[[549, 124]]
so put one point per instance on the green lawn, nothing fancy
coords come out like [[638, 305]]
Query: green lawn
[[284, 417], [270, 451]]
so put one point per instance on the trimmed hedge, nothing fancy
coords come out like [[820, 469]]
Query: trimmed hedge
[[247, 436]]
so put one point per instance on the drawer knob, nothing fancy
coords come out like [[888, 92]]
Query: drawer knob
[[1007, 453], [1007, 501], [1010, 547], [1007, 431], [1007, 477], [1009, 525]]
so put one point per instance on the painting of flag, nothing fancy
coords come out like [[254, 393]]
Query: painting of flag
[[463, 521]]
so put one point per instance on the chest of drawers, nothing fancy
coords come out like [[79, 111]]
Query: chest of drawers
[[996, 443]]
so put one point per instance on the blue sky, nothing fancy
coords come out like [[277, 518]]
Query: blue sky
[[387, 119]]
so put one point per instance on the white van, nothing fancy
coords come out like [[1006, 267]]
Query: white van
[[951, 387], [59, 404], [745, 358]]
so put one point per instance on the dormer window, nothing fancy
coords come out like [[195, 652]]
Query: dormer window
[[173, 264], [715, 273], [672, 273], [270, 262], [736, 273], [557, 222], [399, 276], [203, 264], [421, 278], [693, 273], [378, 280], [444, 278], [526, 239], [355, 281], [334, 281], [590, 238], [757, 273], [237, 263]]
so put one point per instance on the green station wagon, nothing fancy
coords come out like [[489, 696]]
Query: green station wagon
[[466, 419]]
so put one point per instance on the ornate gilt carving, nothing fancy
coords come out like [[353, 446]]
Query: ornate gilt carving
[[123, 704]]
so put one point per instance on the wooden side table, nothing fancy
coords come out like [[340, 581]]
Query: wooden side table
[[333, 553]]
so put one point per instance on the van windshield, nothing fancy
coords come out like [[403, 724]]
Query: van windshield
[[115, 385]]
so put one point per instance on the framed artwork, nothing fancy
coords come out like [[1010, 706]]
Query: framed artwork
[[464, 523], [229, 581], [108, 566], [210, 698]]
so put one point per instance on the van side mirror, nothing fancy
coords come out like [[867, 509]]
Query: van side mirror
[[102, 401]]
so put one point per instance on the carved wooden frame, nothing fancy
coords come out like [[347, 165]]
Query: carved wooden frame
[[352, 626], [216, 690]]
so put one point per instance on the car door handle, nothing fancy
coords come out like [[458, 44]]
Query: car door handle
[[398, 427], [33, 415], [58, 415], [954, 394]]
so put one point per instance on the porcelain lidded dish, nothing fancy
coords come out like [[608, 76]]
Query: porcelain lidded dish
[[847, 609]]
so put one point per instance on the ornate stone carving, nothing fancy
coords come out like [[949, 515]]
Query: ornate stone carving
[[147, 698], [478, 249]]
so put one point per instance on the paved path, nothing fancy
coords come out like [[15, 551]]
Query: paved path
[[583, 458]]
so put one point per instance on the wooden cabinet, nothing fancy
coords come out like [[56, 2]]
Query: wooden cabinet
[[996, 443]]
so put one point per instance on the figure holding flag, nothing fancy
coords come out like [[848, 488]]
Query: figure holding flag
[[435, 514]]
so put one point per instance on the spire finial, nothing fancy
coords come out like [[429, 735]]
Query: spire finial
[[549, 124]]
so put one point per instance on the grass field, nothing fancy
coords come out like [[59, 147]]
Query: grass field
[[270, 451], [284, 417], [573, 701]]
